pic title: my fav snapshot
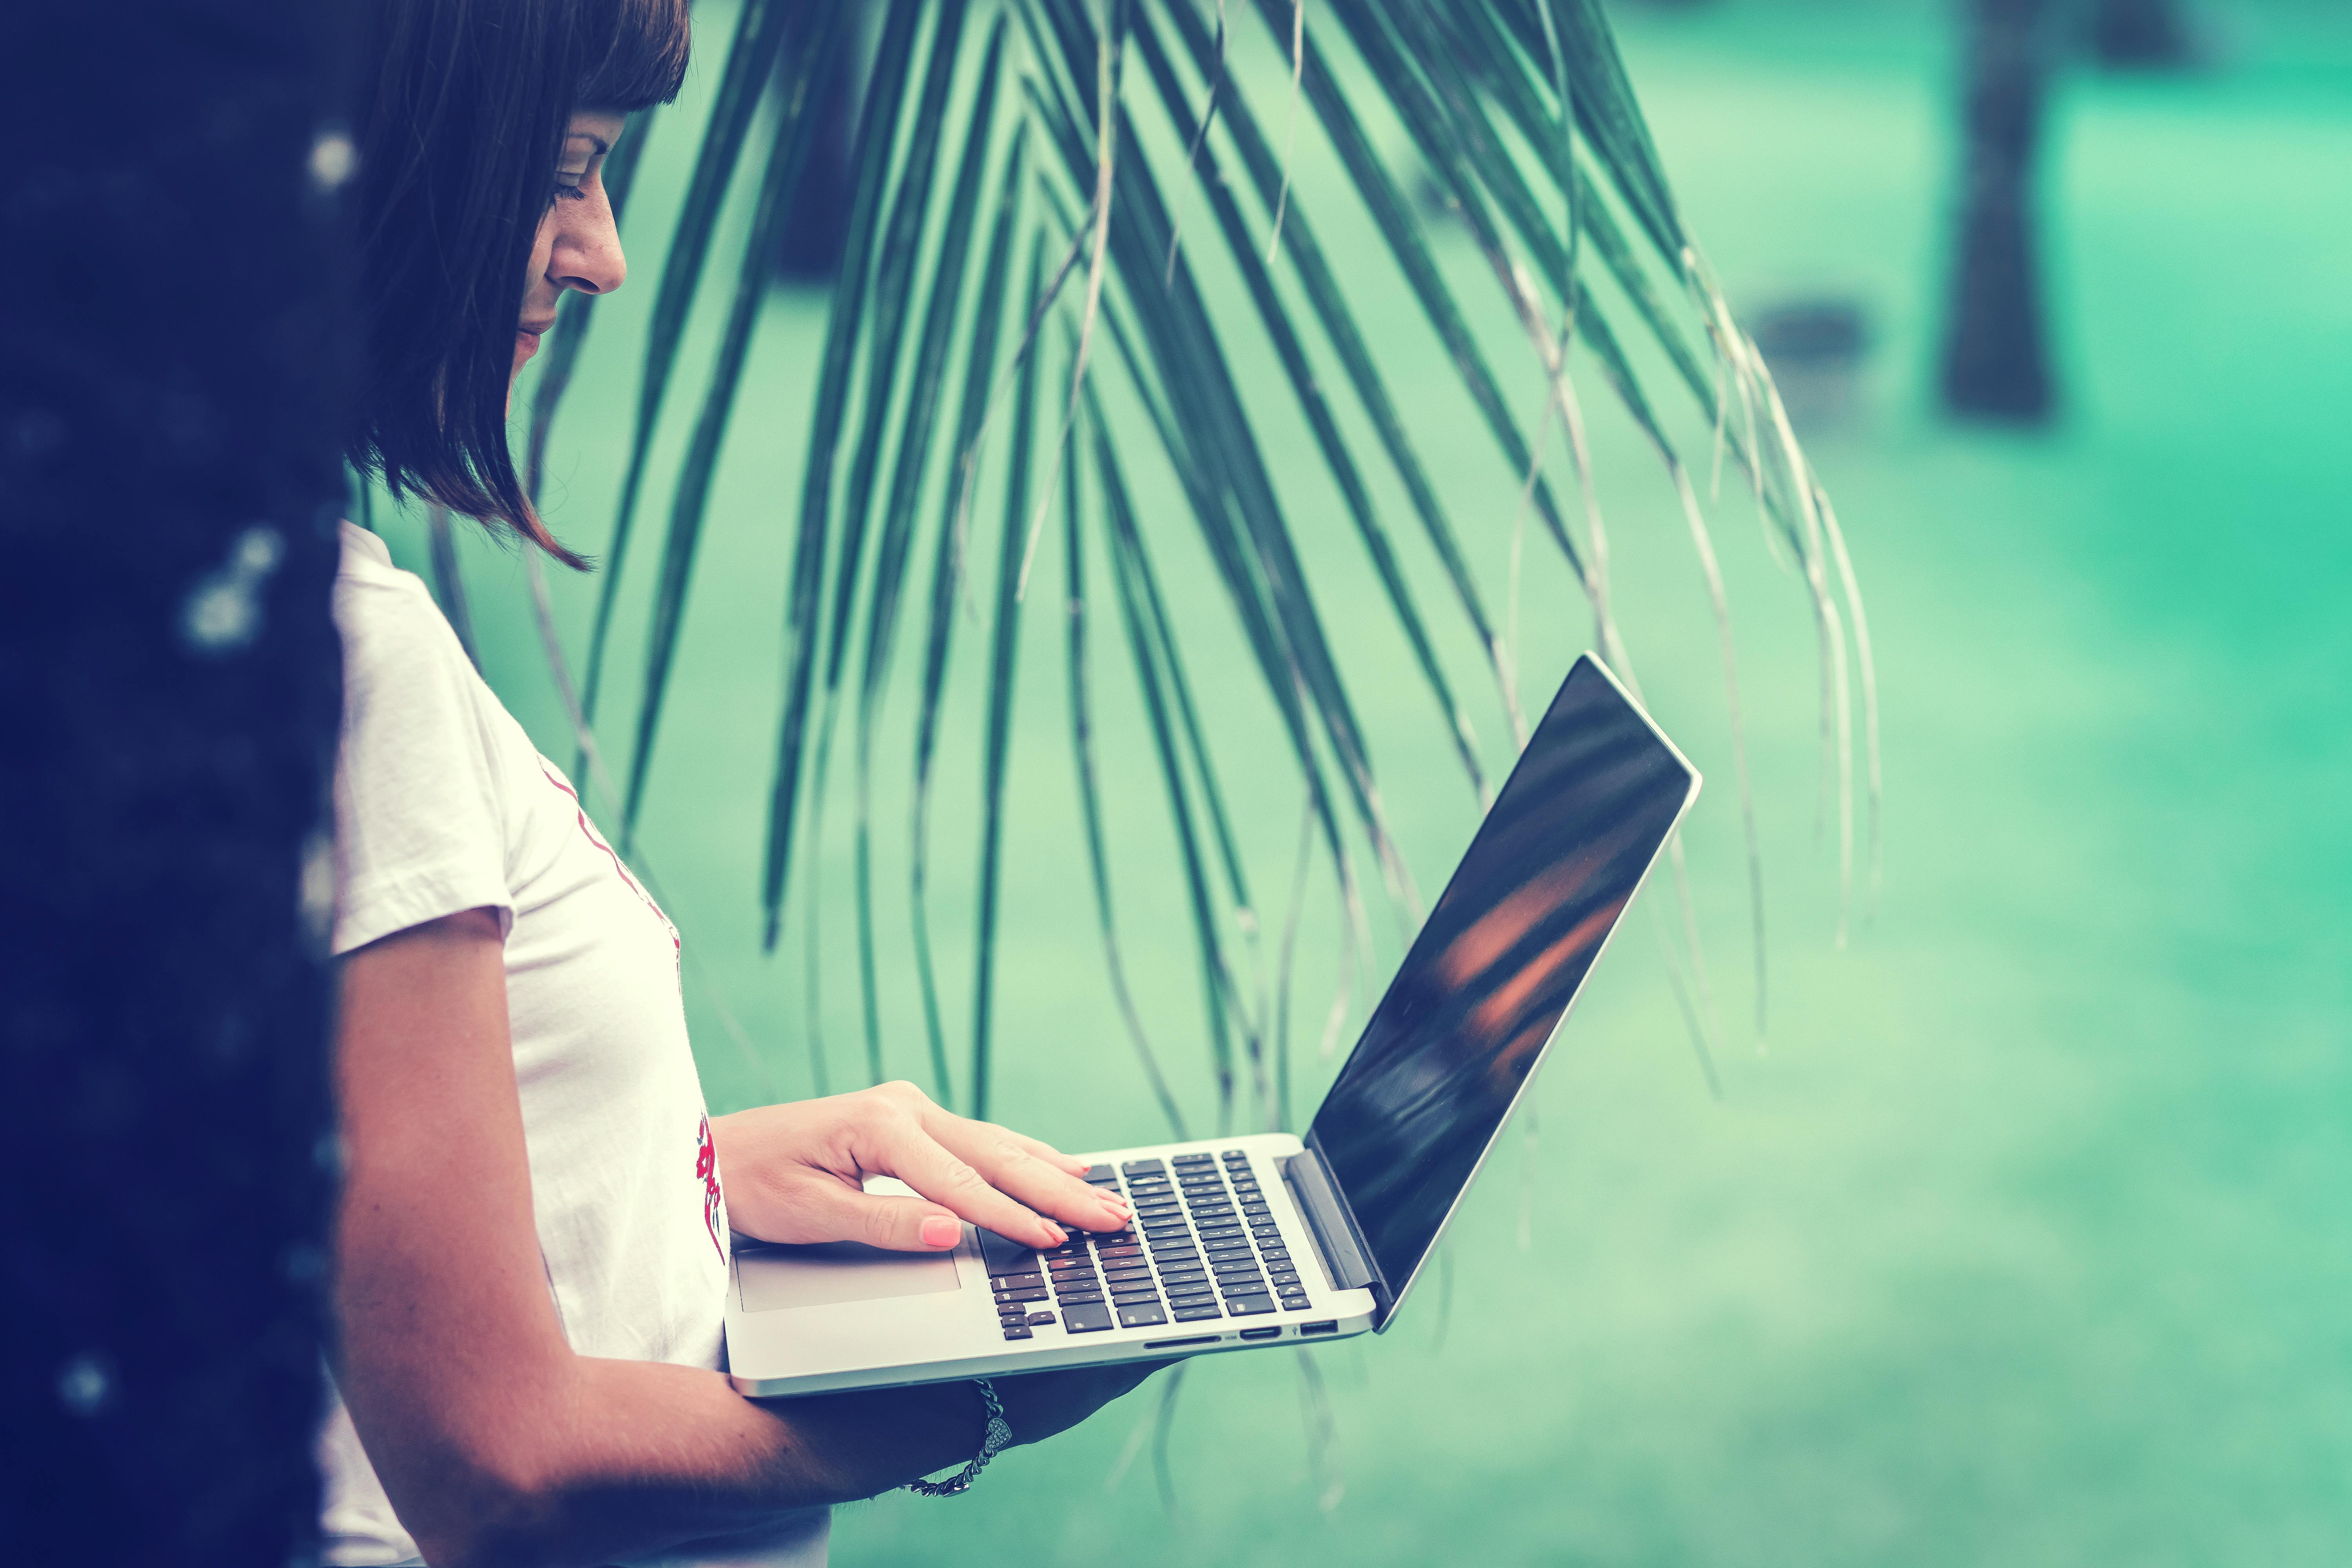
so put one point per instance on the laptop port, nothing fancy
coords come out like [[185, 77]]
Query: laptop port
[[1266, 1333], [1306, 1328], [1179, 1344]]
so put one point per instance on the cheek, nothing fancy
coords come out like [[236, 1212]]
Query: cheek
[[542, 249]]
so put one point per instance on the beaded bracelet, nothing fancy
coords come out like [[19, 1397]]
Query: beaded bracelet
[[993, 1442]]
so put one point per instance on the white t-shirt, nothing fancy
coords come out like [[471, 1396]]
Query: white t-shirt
[[442, 804]]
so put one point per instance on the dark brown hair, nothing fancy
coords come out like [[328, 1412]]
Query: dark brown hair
[[462, 112]]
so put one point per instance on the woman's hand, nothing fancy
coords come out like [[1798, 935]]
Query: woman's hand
[[797, 1173]]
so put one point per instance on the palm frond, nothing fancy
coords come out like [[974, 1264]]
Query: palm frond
[[1020, 132]]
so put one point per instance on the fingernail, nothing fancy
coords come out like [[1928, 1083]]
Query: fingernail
[[941, 1230], [1057, 1232]]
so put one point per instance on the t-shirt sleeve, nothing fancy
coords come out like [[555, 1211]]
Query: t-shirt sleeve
[[420, 828]]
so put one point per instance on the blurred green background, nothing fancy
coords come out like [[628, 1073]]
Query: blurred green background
[[2021, 1238]]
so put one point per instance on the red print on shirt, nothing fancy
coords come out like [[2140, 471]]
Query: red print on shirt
[[588, 827], [714, 1202]]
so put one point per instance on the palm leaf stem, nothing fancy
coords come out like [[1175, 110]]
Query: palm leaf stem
[[1205, 398], [1218, 1000], [1003, 651], [1161, 630], [893, 292], [1208, 506], [1082, 755], [894, 546], [804, 606], [1401, 230], [947, 571], [1361, 509], [1388, 59], [788, 156], [1216, 79], [759, 33], [1340, 328], [892, 289]]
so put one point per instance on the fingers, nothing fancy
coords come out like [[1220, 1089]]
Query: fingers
[[1011, 1163], [904, 1148], [901, 1225], [1046, 1151]]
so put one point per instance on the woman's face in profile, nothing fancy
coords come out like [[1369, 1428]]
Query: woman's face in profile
[[578, 247]]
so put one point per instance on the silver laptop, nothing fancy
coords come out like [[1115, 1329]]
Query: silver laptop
[[1268, 1238]]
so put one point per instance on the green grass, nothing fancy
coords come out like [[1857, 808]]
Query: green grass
[[2022, 1243]]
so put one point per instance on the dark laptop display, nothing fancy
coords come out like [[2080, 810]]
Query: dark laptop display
[[1427, 1088]]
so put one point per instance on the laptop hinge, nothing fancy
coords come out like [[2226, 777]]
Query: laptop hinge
[[1344, 1255]]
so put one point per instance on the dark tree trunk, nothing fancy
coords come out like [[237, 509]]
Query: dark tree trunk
[[1996, 361], [169, 696], [2141, 35]]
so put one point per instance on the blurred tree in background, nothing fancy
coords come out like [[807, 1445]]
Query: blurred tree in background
[[1996, 356]]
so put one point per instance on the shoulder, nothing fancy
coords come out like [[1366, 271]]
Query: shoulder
[[387, 618]]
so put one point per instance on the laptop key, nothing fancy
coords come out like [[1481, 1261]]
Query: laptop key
[[1087, 1317], [1295, 1303], [1034, 1293], [1005, 1257], [1101, 1174], [1017, 1332], [1248, 1306], [1126, 1298], [1141, 1317], [1137, 1167], [1041, 1319], [1195, 1314]]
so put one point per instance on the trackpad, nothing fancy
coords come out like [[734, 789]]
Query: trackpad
[[827, 1274]]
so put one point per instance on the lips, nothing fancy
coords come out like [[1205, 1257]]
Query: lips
[[527, 339]]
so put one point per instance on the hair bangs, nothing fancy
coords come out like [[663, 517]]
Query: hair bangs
[[646, 62]]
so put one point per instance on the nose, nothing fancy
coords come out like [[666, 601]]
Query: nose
[[587, 253]]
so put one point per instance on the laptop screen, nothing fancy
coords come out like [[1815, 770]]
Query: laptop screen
[[1463, 1025]]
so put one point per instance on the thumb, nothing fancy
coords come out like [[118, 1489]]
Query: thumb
[[898, 1224]]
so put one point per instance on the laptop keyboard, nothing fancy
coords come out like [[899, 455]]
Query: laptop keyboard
[[1204, 1244]]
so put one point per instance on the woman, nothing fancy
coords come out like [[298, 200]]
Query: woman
[[533, 1243]]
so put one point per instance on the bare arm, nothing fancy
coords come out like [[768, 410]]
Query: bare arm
[[496, 1443]]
